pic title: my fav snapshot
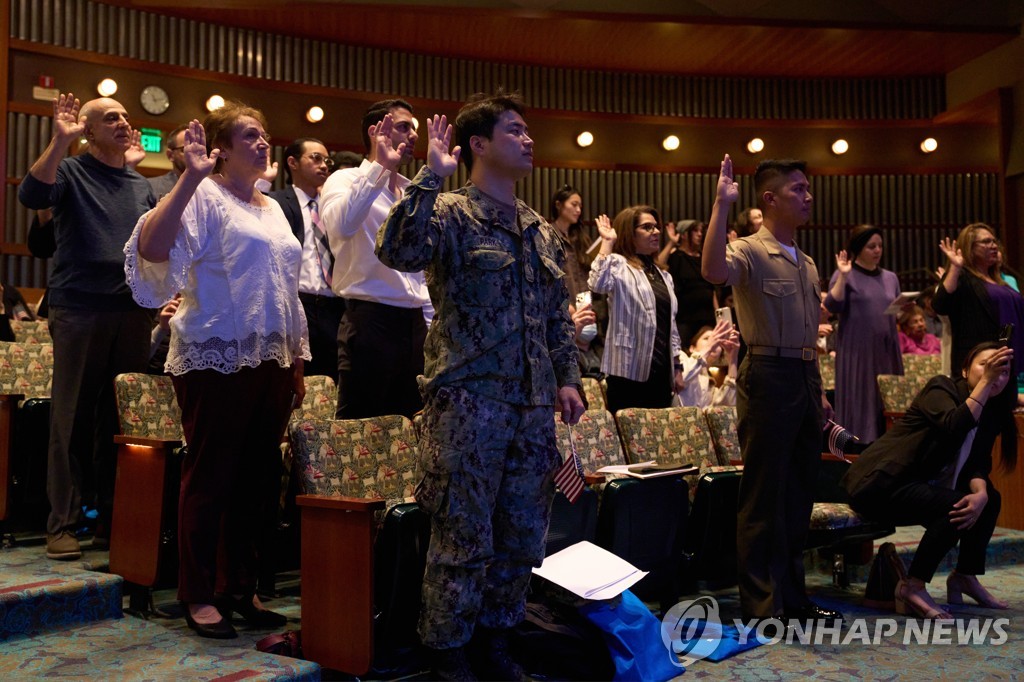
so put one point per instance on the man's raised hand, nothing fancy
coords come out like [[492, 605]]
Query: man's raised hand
[[380, 137], [66, 125], [728, 190], [439, 139]]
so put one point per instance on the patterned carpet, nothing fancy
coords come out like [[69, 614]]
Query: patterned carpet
[[85, 638]]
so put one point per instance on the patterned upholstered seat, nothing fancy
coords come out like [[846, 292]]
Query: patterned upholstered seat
[[596, 437], [594, 394], [147, 407], [834, 516], [922, 365], [31, 331], [898, 392], [26, 368], [722, 422], [673, 435], [372, 458], [827, 367], [320, 401]]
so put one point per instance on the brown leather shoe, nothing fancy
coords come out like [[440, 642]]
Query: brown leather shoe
[[63, 546]]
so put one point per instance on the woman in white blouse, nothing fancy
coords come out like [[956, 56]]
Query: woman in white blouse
[[706, 348], [238, 341], [642, 343]]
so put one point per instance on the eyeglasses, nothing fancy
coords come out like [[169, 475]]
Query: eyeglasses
[[317, 158], [177, 149], [648, 227], [987, 241]]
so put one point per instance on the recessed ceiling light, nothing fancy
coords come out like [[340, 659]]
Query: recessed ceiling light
[[840, 146], [928, 145], [670, 143], [755, 146], [107, 87], [315, 114], [585, 139], [214, 103]]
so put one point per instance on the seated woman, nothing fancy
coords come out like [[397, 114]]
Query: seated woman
[[914, 336], [642, 342], [699, 389], [931, 468]]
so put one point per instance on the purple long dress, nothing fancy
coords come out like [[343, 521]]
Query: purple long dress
[[866, 345]]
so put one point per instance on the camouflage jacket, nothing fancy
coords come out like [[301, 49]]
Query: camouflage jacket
[[501, 327]]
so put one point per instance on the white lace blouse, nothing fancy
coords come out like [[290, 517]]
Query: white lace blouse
[[237, 267]]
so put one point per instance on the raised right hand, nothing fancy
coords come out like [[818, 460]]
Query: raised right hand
[[605, 229], [843, 262], [196, 159], [439, 139], [728, 190], [66, 125], [955, 256], [670, 232], [997, 369]]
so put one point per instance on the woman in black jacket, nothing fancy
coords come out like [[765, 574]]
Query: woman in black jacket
[[931, 468]]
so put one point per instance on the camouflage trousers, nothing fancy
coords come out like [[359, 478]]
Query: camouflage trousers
[[487, 484]]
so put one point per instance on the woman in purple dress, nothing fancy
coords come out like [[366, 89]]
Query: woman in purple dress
[[867, 343]]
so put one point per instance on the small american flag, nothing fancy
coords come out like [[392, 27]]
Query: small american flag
[[569, 477], [838, 437]]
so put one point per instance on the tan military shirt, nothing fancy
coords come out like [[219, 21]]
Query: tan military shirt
[[777, 300]]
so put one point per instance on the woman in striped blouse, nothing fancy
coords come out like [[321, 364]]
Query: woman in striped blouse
[[641, 352]]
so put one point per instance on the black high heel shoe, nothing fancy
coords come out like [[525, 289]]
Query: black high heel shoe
[[243, 606], [219, 630]]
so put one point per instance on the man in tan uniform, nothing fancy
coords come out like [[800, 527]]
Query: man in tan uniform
[[780, 402]]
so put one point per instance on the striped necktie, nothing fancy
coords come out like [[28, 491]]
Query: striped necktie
[[323, 247]]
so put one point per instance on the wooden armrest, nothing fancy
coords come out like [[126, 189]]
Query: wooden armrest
[[358, 504], [11, 398], [147, 442], [593, 479]]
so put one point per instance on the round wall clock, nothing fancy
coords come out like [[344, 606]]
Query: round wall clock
[[154, 100]]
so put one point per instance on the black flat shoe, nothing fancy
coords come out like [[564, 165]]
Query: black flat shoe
[[243, 606], [219, 630]]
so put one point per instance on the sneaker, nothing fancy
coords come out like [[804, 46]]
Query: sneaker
[[490, 657], [63, 546], [450, 664]]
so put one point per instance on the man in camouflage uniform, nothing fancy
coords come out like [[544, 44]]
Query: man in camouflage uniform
[[499, 355]]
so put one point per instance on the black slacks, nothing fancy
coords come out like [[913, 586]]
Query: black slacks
[[323, 316], [380, 354], [780, 422], [919, 503]]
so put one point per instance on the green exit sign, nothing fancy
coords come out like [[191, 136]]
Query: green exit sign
[[152, 139]]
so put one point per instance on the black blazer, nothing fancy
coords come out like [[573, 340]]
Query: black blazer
[[292, 211], [973, 317], [926, 439]]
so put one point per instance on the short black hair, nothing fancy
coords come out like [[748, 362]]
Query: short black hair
[[478, 117], [376, 113], [170, 135], [295, 150], [770, 170], [346, 160]]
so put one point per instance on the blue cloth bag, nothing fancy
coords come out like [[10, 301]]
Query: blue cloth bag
[[634, 640]]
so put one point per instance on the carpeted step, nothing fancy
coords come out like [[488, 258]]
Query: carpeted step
[[38, 595], [136, 649]]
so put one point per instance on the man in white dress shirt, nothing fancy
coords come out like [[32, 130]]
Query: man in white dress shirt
[[380, 339], [307, 165]]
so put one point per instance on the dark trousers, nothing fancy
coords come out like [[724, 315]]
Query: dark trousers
[[654, 393], [323, 317], [89, 349], [380, 354], [780, 420], [924, 504], [230, 476]]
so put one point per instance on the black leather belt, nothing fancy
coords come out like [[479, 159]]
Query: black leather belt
[[805, 354]]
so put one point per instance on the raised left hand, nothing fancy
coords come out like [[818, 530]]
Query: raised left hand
[[134, 155]]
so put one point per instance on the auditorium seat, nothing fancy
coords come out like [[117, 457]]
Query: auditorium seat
[[898, 392]]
